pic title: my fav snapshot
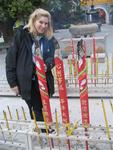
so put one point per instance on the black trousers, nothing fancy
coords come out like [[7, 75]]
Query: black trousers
[[35, 102]]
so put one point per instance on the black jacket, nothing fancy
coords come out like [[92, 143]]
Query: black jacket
[[19, 64]]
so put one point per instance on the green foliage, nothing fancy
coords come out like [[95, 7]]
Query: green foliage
[[79, 14], [52, 5], [13, 9], [64, 12], [21, 8]]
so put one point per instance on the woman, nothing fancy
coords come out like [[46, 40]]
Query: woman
[[36, 36]]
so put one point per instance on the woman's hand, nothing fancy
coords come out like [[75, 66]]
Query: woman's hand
[[15, 89]]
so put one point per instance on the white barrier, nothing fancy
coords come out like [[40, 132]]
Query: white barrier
[[22, 136]]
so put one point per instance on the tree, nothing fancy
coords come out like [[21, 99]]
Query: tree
[[64, 12], [11, 10], [60, 10]]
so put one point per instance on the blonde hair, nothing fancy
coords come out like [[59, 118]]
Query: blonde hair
[[37, 14]]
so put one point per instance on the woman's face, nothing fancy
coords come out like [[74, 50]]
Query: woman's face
[[41, 25]]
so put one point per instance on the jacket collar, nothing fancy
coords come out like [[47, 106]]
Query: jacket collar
[[28, 39]]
